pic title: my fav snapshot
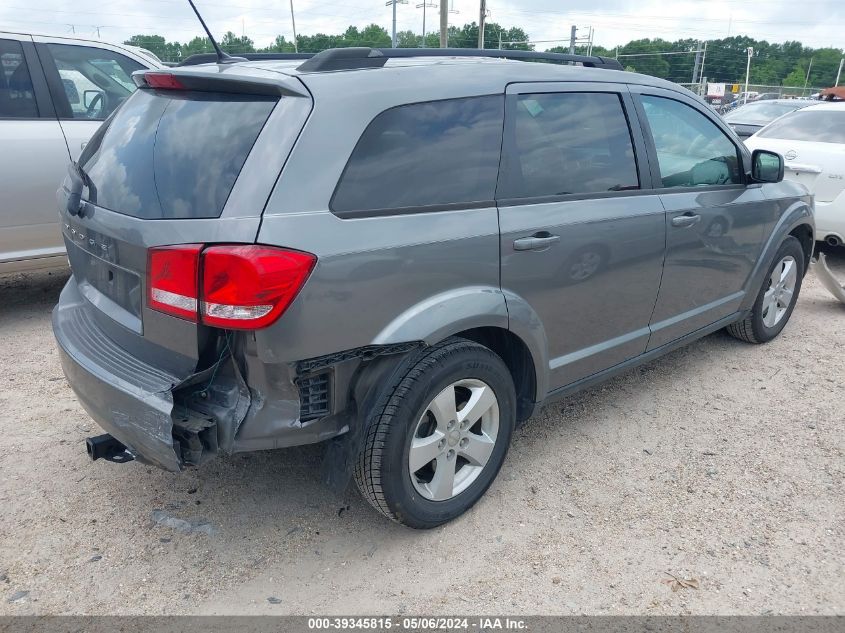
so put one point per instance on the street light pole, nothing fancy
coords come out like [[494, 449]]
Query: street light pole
[[750, 52], [394, 3], [293, 24], [839, 72]]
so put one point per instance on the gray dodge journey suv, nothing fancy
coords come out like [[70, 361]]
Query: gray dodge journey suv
[[403, 253]]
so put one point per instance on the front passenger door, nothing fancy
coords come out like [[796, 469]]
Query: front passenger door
[[715, 223]]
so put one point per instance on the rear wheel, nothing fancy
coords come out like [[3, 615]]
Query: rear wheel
[[777, 297], [436, 441]]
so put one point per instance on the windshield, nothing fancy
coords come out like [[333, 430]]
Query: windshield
[[822, 126], [760, 113]]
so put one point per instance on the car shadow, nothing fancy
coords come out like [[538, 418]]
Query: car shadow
[[30, 292]]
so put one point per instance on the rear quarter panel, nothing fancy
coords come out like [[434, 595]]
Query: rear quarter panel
[[395, 278]]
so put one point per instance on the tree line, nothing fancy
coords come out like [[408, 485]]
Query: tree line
[[775, 64]]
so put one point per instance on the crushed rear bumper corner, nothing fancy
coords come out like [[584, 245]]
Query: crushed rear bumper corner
[[127, 398]]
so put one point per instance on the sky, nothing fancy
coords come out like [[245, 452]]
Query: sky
[[816, 23]]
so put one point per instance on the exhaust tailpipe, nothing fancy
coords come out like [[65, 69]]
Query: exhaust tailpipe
[[106, 447], [833, 240]]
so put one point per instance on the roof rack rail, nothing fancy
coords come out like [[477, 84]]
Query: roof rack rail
[[210, 58], [363, 57]]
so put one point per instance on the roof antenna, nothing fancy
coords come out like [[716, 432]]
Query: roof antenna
[[222, 57]]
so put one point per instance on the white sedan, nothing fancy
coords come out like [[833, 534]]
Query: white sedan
[[812, 143]]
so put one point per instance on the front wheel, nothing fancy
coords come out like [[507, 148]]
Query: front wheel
[[777, 297], [436, 440]]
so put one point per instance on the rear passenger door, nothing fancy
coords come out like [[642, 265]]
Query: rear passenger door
[[715, 221], [582, 238], [87, 84], [33, 156]]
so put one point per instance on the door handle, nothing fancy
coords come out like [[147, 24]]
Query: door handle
[[688, 219], [537, 242]]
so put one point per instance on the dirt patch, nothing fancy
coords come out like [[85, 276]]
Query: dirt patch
[[720, 465]]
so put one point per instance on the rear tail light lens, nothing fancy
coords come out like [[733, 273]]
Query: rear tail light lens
[[234, 287], [173, 283], [250, 286]]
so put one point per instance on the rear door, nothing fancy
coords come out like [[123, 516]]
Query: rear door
[[87, 84], [582, 237], [715, 222], [33, 157], [172, 167]]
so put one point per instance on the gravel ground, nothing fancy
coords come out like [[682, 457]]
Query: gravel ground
[[720, 463]]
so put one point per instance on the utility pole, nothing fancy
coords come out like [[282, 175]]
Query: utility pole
[[807, 79], [701, 71], [572, 39], [482, 17], [444, 23], [750, 52], [423, 6], [839, 72], [293, 24], [697, 63]]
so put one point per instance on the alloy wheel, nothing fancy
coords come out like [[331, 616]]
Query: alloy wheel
[[453, 439]]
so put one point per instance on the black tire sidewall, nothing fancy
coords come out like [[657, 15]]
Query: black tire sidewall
[[762, 333], [408, 506]]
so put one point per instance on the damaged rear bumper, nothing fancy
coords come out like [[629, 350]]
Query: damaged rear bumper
[[134, 401], [173, 419]]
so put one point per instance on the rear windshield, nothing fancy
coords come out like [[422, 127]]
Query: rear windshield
[[173, 154], [824, 126], [761, 112]]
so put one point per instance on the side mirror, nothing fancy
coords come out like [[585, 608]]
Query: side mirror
[[89, 97], [766, 166]]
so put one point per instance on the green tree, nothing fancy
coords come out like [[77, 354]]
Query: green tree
[[796, 77], [156, 44], [195, 46], [231, 43]]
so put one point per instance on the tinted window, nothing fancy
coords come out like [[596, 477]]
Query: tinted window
[[564, 143], [824, 126], [439, 152], [95, 80], [175, 155], [17, 99], [691, 149]]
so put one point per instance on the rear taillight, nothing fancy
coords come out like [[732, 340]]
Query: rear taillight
[[173, 280], [250, 286], [233, 287]]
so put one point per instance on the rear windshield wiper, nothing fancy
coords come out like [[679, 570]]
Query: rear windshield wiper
[[78, 180]]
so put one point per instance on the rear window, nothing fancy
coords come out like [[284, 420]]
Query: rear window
[[433, 153], [173, 155], [824, 126], [760, 113]]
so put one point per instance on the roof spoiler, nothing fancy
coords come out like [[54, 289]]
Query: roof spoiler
[[202, 81], [364, 57]]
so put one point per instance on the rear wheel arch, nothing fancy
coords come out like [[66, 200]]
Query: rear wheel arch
[[518, 359]]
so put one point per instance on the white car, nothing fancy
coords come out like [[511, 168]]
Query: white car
[[54, 93], [812, 143]]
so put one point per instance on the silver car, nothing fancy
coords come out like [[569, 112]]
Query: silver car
[[403, 253], [54, 93]]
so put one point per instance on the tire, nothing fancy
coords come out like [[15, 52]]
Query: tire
[[414, 412], [762, 325]]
